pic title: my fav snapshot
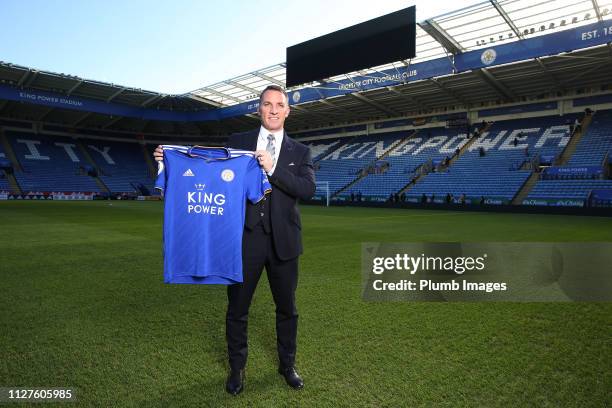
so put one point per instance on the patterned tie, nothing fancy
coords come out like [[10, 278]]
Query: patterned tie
[[270, 147]]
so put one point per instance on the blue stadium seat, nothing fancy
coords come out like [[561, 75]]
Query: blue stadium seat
[[4, 184], [497, 174], [56, 164], [426, 145], [591, 150], [344, 163], [595, 143], [123, 166], [49, 163]]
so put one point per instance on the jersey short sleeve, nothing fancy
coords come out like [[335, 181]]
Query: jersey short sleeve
[[160, 181], [256, 182], [162, 174]]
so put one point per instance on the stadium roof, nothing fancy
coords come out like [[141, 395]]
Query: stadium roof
[[475, 27], [478, 26]]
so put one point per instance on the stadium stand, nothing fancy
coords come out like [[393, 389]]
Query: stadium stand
[[403, 129], [508, 147], [345, 164], [322, 148], [4, 184], [50, 163], [4, 163], [596, 144], [61, 164], [430, 145], [122, 165], [586, 169], [567, 189], [375, 165], [512, 149]]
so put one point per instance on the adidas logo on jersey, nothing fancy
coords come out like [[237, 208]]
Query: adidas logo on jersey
[[188, 173]]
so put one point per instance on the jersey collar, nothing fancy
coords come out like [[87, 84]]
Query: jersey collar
[[204, 150]]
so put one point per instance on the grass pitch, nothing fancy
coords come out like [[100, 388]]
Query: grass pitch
[[83, 305]]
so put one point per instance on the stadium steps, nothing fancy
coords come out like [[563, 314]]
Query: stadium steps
[[101, 184], [15, 188], [349, 185], [382, 156], [465, 147], [526, 188], [10, 153], [91, 161], [150, 166], [417, 178], [571, 146], [526, 165], [398, 144]]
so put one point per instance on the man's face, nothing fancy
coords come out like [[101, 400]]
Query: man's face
[[273, 109]]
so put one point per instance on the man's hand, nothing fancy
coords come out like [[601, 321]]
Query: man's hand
[[158, 154], [264, 159]]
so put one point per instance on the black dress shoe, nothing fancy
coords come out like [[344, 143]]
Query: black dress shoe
[[291, 377], [235, 382]]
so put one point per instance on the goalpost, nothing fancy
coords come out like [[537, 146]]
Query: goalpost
[[322, 188]]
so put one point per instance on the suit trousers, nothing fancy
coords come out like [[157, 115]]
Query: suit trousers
[[258, 252]]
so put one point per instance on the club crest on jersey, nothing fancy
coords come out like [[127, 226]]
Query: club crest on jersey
[[188, 173], [227, 175]]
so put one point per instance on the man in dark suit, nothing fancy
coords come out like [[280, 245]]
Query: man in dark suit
[[271, 237]]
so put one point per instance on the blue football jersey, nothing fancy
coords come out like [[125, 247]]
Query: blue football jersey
[[205, 193]]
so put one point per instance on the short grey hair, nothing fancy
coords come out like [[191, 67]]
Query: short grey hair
[[274, 88]]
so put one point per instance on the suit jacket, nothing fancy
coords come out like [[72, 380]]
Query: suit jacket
[[293, 178]]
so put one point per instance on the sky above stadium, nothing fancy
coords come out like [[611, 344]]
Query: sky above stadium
[[175, 46]]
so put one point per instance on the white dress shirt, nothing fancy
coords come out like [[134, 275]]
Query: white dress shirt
[[262, 143]]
